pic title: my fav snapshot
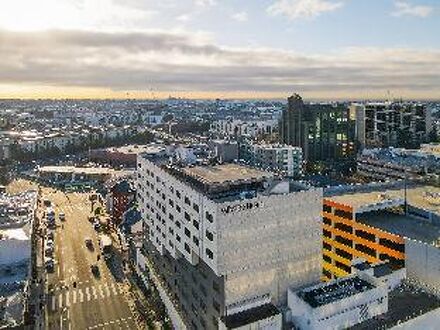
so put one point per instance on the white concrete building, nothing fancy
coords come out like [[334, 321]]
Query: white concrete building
[[256, 237], [279, 158], [339, 304]]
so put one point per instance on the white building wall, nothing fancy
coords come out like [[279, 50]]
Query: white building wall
[[340, 314], [422, 262], [275, 244]]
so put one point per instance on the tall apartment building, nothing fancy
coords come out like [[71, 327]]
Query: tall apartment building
[[388, 124], [325, 132], [227, 240]]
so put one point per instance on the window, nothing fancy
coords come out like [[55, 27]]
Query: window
[[196, 224], [187, 232], [178, 208], [196, 240], [178, 238], [196, 207], [209, 235], [178, 193], [209, 217], [171, 202], [187, 201], [187, 217], [178, 225], [209, 254], [171, 217], [187, 249], [171, 230]]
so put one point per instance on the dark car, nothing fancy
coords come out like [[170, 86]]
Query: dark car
[[95, 270]]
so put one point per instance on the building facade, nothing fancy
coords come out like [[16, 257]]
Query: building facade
[[224, 238], [325, 132], [392, 124], [345, 239]]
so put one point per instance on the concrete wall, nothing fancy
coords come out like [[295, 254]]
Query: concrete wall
[[272, 246], [423, 264]]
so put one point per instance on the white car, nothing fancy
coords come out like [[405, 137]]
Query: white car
[[62, 216]]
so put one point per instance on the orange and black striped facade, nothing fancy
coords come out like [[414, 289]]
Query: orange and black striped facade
[[345, 239]]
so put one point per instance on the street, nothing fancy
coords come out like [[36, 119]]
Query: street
[[76, 298]]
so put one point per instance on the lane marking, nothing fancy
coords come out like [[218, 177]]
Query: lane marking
[[88, 294]]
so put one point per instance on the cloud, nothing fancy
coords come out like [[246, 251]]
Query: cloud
[[205, 3], [404, 8], [295, 9], [241, 16], [178, 61]]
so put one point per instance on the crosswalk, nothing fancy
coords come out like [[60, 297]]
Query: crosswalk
[[80, 295]]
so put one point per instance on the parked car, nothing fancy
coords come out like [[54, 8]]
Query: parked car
[[62, 216], [49, 264], [95, 270], [89, 243]]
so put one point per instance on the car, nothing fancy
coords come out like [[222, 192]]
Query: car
[[62, 216], [91, 219], [95, 270], [50, 243], [89, 243], [50, 235], [97, 226], [49, 264], [48, 251]]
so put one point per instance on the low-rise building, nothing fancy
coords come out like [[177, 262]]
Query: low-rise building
[[338, 304]]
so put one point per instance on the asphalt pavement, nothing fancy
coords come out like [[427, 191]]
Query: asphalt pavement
[[76, 298]]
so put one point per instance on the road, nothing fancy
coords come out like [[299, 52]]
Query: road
[[96, 302]]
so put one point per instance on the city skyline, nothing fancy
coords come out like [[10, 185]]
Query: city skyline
[[323, 49]]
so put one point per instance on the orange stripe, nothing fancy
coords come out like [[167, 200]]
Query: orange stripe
[[336, 257], [372, 230], [334, 270], [375, 246], [348, 249], [339, 206]]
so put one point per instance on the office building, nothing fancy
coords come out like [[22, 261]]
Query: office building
[[391, 124], [325, 132], [227, 239]]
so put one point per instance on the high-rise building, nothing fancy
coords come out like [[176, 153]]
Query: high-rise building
[[227, 240], [324, 131], [388, 124]]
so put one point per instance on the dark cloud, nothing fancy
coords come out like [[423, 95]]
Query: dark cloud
[[178, 61]]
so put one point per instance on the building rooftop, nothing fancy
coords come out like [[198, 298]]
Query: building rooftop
[[405, 302], [405, 226], [250, 316], [77, 170], [226, 173], [421, 196], [342, 289]]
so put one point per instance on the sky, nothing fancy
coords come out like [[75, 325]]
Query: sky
[[322, 49]]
